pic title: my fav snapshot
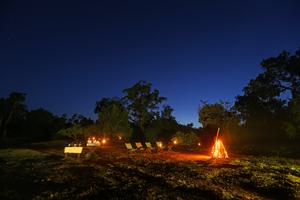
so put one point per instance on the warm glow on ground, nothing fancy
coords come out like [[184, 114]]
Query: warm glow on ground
[[176, 156]]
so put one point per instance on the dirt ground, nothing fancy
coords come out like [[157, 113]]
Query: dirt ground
[[40, 171]]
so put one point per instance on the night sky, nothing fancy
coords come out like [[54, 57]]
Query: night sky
[[67, 54]]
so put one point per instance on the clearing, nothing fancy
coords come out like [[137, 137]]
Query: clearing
[[40, 171]]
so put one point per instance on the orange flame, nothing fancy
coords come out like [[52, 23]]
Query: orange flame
[[218, 150]]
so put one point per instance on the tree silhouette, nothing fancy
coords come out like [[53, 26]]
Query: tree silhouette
[[11, 108], [143, 103], [264, 106], [113, 117]]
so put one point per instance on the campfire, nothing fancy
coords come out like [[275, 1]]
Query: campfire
[[218, 149]]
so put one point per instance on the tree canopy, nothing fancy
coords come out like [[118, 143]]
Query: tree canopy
[[12, 109], [285, 69], [113, 117], [143, 103], [216, 115], [270, 102]]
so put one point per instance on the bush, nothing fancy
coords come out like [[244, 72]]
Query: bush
[[187, 139], [75, 132]]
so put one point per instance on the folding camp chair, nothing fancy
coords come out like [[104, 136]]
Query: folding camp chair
[[139, 146], [129, 147], [149, 148]]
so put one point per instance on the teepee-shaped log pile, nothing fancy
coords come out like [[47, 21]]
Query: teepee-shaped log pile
[[218, 149]]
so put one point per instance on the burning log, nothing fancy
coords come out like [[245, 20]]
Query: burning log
[[218, 149]]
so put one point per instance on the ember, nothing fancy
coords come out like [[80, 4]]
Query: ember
[[218, 149]]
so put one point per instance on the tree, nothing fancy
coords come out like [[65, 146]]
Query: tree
[[11, 108], [107, 102], [40, 124], [216, 115], [80, 120], [60, 122], [142, 103], [113, 117], [286, 70], [187, 139], [260, 98], [291, 124], [261, 109], [163, 127], [166, 113], [93, 130], [190, 125], [264, 106], [75, 132]]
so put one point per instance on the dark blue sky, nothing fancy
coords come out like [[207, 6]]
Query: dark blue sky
[[67, 54]]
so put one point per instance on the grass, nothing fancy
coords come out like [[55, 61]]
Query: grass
[[20, 154], [42, 174]]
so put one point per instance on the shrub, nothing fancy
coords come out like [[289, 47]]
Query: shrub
[[186, 138]]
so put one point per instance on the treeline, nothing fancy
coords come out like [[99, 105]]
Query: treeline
[[270, 105], [141, 114], [17, 121], [266, 114]]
